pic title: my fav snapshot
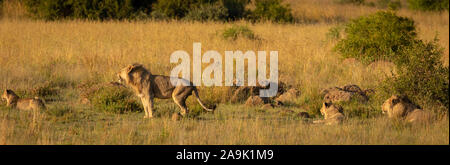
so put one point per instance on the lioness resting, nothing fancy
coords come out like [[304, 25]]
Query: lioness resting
[[332, 114], [12, 100], [148, 86], [400, 107]]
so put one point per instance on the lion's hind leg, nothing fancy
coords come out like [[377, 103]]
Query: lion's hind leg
[[179, 97]]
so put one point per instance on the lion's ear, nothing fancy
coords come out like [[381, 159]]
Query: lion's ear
[[395, 100], [133, 66]]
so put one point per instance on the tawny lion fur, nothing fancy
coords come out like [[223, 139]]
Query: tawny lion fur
[[333, 114], [12, 100], [148, 87], [400, 107]]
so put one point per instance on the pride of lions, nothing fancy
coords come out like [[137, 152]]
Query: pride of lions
[[148, 86]]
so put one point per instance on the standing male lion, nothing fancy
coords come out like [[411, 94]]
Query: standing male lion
[[148, 86]]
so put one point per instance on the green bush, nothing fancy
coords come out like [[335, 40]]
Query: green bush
[[199, 9], [208, 12], [272, 10], [380, 36], [235, 32], [173, 8], [355, 2], [429, 5], [115, 100], [87, 9], [236, 8], [421, 75], [49, 9]]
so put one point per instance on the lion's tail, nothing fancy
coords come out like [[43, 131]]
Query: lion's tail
[[201, 103]]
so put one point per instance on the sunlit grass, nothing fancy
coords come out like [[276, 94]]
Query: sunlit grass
[[69, 53]]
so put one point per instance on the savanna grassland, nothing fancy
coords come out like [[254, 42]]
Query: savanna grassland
[[62, 55]]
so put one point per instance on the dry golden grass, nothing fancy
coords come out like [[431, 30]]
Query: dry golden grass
[[69, 52], [231, 125]]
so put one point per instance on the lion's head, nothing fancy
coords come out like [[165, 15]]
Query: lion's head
[[8, 94], [329, 108], [131, 73], [398, 106], [390, 103]]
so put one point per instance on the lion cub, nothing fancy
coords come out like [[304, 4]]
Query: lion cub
[[400, 107], [12, 100], [333, 114]]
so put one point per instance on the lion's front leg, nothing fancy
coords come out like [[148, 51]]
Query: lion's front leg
[[145, 105], [147, 102]]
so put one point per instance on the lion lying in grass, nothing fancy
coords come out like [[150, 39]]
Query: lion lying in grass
[[12, 100], [148, 87], [400, 107], [333, 114]]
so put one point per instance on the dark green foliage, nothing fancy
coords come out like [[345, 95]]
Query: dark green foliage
[[236, 8], [355, 2], [380, 36], [49, 9], [272, 10], [173, 8], [429, 5], [421, 75], [201, 9], [334, 33], [197, 10], [235, 32], [115, 99], [208, 12], [87, 9]]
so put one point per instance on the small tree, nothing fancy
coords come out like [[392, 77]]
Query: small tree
[[429, 5], [272, 10], [421, 75], [380, 36]]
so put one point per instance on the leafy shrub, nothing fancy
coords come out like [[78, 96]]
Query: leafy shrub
[[272, 10], [236, 8], [384, 36], [208, 12], [199, 9], [421, 75], [115, 99], [173, 8], [99, 9], [380, 36], [429, 5], [334, 33], [235, 32], [355, 2], [49, 9]]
